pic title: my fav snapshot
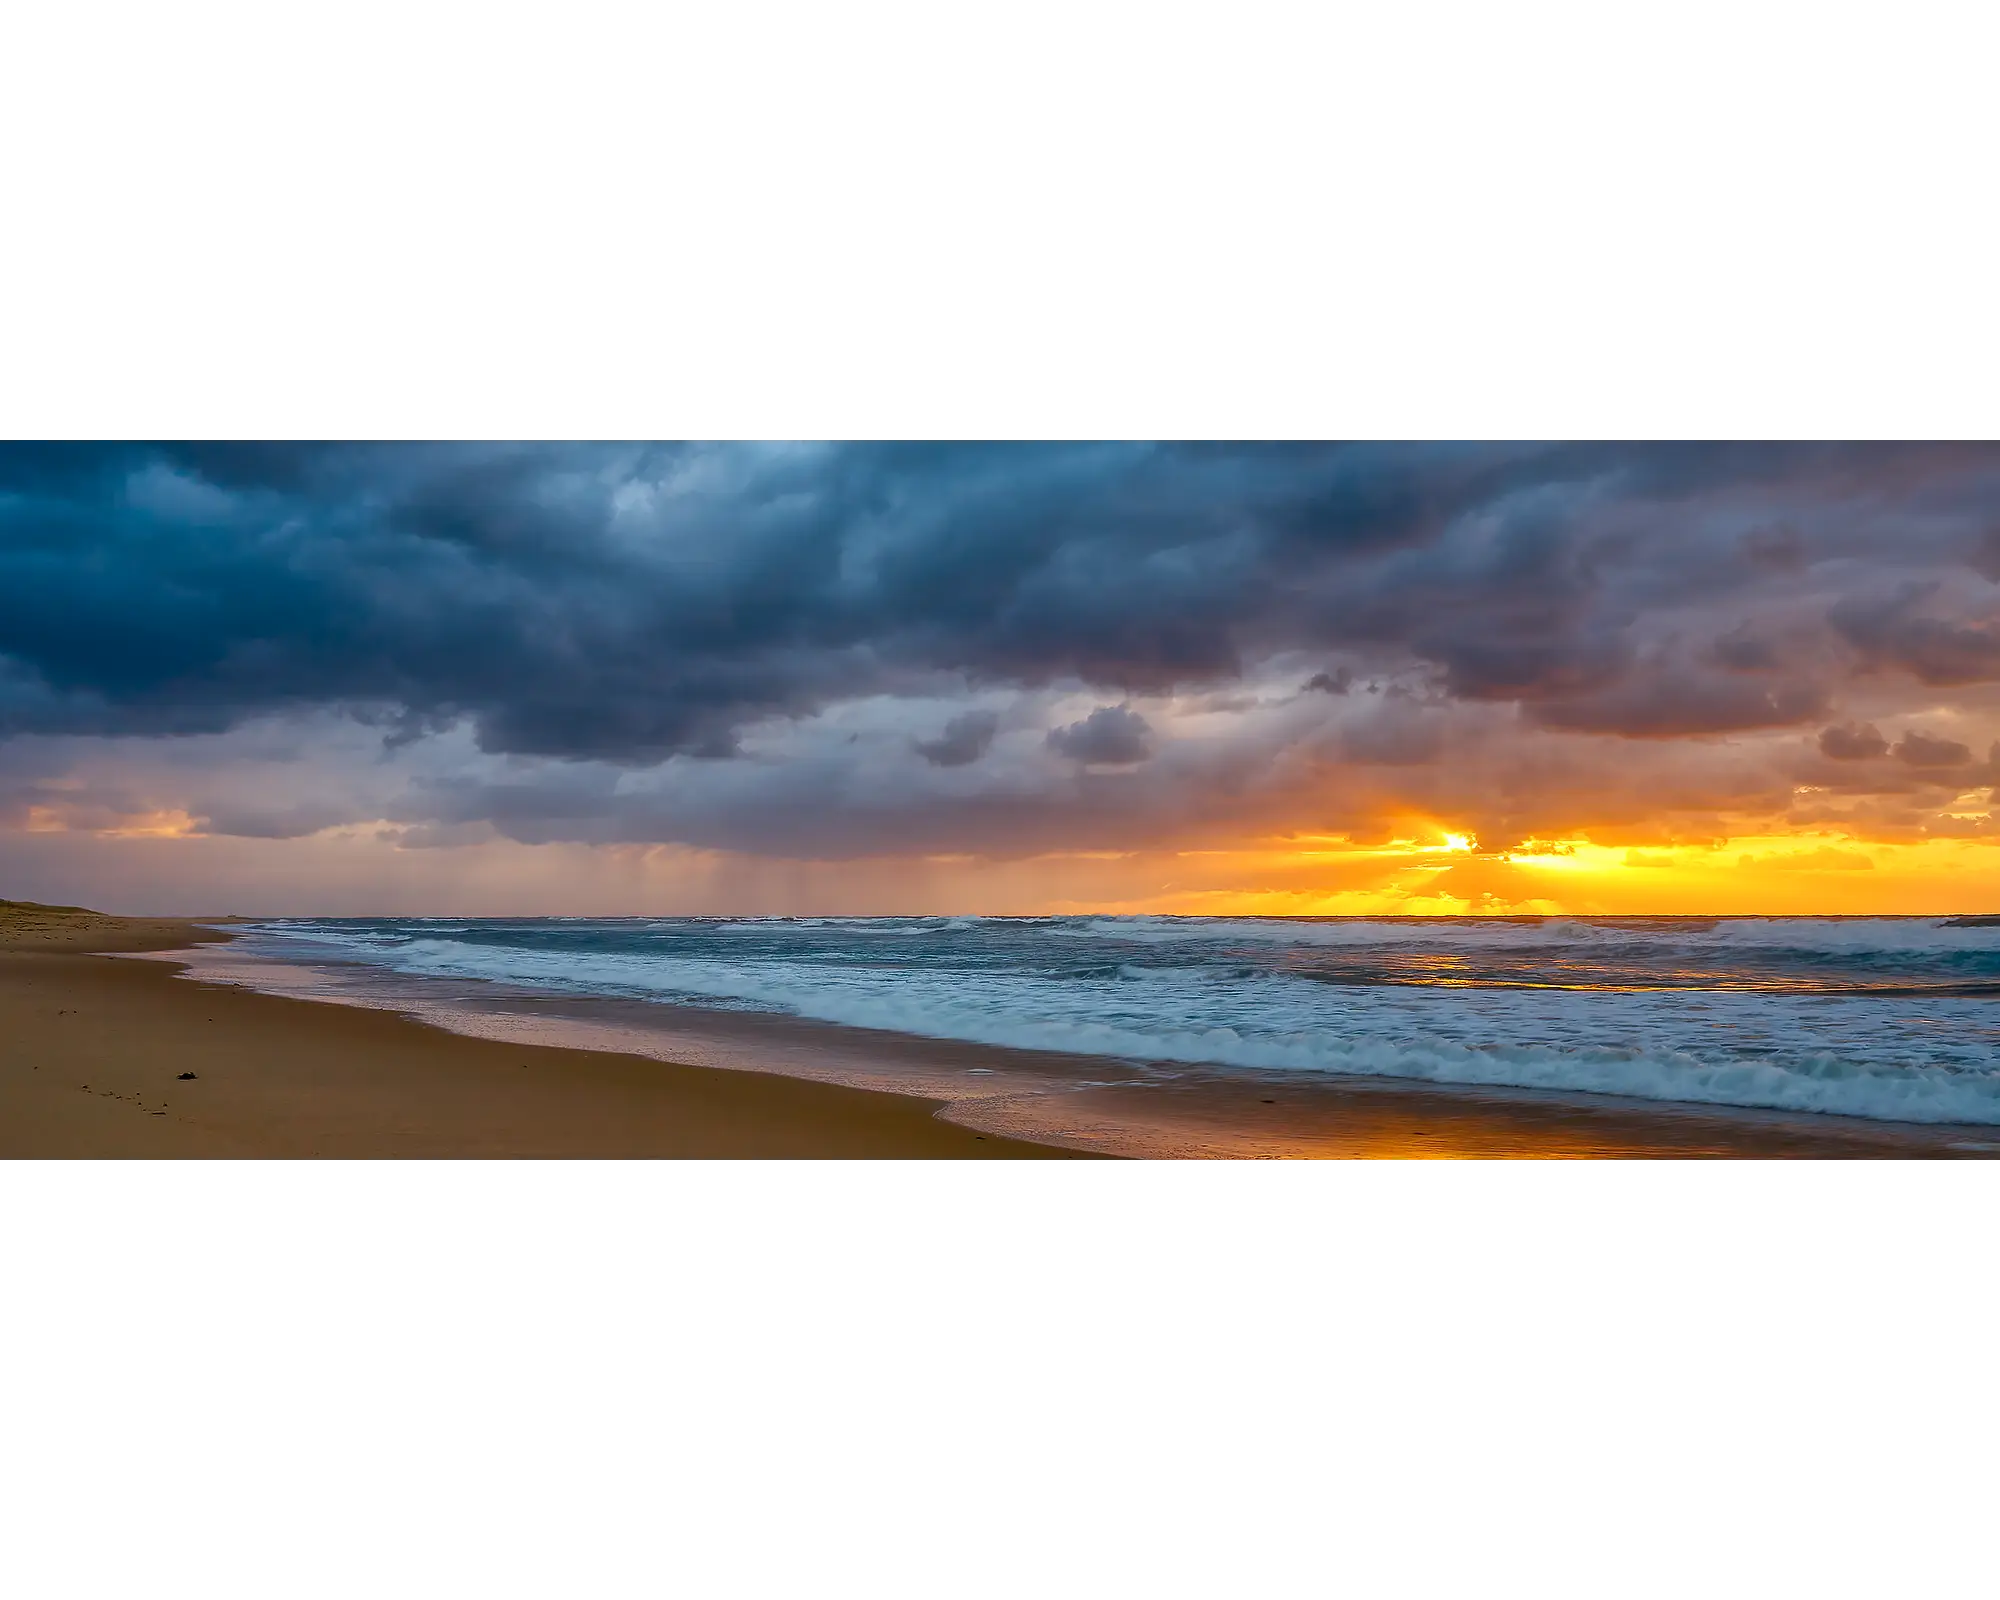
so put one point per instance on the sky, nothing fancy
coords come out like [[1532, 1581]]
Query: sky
[[1342, 679]]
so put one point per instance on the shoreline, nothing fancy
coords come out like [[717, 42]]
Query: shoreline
[[1101, 1104], [95, 1049], [433, 1068]]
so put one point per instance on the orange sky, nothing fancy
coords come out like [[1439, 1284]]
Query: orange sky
[[357, 871]]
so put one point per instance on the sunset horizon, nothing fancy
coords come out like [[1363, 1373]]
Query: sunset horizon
[[1228, 680]]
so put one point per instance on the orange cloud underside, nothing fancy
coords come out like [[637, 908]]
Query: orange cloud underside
[[157, 861], [140, 825], [1778, 874]]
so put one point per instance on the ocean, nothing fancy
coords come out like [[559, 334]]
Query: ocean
[[1891, 1020]]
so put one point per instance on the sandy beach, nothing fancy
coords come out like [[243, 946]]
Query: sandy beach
[[95, 1050], [95, 1047]]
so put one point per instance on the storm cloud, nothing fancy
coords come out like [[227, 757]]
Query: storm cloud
[[964, 740], [1109, 736], [1921, 750], [844, 648], [1853, 743]]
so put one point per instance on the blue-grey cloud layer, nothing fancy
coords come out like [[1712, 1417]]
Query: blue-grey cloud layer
[[625, 604]]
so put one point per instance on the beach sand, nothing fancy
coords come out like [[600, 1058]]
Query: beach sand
[[92, 1051]]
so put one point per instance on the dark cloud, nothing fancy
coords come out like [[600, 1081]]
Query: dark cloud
[[1675, 705], [699, 620], [1940, 651], [965, 739], [628, 602], [1853, 742], [1110, 736], [1920, 750]]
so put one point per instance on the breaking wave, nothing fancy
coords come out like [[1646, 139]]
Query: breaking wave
[[1887, 1018]]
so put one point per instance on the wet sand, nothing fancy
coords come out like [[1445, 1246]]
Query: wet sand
[[1099, 1103], [93, 1049]]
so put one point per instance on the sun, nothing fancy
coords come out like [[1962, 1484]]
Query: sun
[[1458, 841]]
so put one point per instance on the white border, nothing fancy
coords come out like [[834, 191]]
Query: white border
[[1086, 219], [1400, 1378]]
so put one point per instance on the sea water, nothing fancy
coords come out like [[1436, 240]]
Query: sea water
[[1888, 1018]]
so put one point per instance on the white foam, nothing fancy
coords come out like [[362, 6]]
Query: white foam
[[1928, 1061]]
